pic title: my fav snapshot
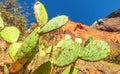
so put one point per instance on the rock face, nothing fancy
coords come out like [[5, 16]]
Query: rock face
[[110, 23]]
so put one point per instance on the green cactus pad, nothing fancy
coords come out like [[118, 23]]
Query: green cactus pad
[[68, 55], [67, 71], [54, 24], [1, 22], [12, 50], [28, 44], [95, 50], [45, 68], [10, 34], [41, 13]]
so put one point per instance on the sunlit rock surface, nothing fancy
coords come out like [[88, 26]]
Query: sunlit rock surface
[[110, 23]]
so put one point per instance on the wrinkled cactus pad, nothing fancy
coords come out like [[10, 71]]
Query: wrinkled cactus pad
[[68, 55], [10, 34], [95, 50], [45, 68], [12, 50], [54, 24], [28, 45]]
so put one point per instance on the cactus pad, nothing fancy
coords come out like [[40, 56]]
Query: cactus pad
[[28, 44], [41, 13], [10, 34], [12, 50], [95, 50], [54, 24], [68, 55]]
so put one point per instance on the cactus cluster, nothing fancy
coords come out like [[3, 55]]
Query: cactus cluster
[[30, 43], [70, 51]]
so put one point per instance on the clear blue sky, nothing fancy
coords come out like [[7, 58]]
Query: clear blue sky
[[83, 11]]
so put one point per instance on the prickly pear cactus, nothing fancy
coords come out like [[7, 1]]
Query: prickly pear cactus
[[95, 50], [40, 13], [45, 68], [54, 24], [68, 55], [10, 34], [28, 44], [1, 22], [12, 50]]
